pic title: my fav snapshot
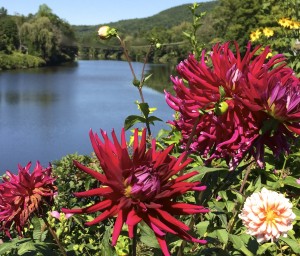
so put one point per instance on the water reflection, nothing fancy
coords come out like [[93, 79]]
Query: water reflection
[[41, 98], [160, 79]]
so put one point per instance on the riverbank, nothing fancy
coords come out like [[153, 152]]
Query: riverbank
[[18, 60]]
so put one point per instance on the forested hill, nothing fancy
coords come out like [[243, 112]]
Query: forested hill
[[165, 19]]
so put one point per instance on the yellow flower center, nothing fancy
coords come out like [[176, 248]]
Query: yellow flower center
[[270, 215], [127, 191]]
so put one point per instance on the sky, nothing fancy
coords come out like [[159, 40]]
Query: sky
[[94, 12]]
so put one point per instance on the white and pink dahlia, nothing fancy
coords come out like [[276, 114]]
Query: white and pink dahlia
[[267, 215]]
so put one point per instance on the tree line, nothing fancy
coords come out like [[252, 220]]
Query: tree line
[[41, 39], [223, 20], [52, 40]]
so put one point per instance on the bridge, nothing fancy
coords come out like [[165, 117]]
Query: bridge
[[108, 50]]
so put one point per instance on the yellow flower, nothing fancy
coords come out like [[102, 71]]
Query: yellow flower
[[255, 35], [267, 215], [268, 32], [294, 24], [284, 22]]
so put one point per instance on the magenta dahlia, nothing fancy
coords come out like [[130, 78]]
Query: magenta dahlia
[[232, 100], [140, 187], [23, 194]]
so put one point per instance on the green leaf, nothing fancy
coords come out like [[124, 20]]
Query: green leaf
[[187, 35], [147, 78], [147, 236], [297, 213], [132, 120], [151, 119], [144, 107], [26, 247], [107, 249], [246, 251], [291, 243], [236, 241], [262, 248], [203, 170], [37, 228], [222, 235], [202, 227], [291, 181], [12, 244]]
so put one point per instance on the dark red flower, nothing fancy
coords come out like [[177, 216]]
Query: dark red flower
[[141, 187], [232, 100], [23, 194], [275, 93]]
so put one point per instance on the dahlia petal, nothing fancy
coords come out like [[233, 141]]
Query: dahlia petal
[[94, 192], [186, 176], [91, 172], [90, 209], [107, 213], [293, 128], [163, 245], [161, 157], [132, 218], [161, 225], [155, 228], [117, 227], [170, 219]]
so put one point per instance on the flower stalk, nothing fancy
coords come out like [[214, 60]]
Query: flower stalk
[[52, 232]]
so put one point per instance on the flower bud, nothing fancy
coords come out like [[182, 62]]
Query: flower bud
[[221, 108], [136, 82], [106, 32]]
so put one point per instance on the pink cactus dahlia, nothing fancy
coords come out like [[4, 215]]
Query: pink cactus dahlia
[[233, 102], [23, 194], [267, 215], [141, 187]]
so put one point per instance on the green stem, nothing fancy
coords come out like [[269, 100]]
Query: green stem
[[283, 167], [134, 76], [245, 179], [61, 248], [127, 56], [190, 140], [134, 241], [188, 144], [235, 211]]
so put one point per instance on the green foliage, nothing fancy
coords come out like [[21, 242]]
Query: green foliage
[[144, 118], [167, 27], [8, 34], [18, 60], [43, 35]]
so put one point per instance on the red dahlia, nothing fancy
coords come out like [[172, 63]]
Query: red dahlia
[[232, 101], [23, 194], [141, 187]]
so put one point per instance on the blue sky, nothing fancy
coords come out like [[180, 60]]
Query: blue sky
[[94, 12]]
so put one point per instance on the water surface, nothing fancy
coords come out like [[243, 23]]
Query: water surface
[[47, 113]]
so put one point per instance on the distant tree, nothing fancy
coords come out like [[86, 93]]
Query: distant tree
[[44, 11], [8, 34], [47, 36], [234, 19], [3, 11], [40, 37]]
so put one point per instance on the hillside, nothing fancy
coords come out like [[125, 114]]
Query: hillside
[[165, 19]]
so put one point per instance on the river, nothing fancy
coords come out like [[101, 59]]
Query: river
[[47, 113]]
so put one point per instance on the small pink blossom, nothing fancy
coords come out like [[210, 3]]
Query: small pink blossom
[[57, 215]]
